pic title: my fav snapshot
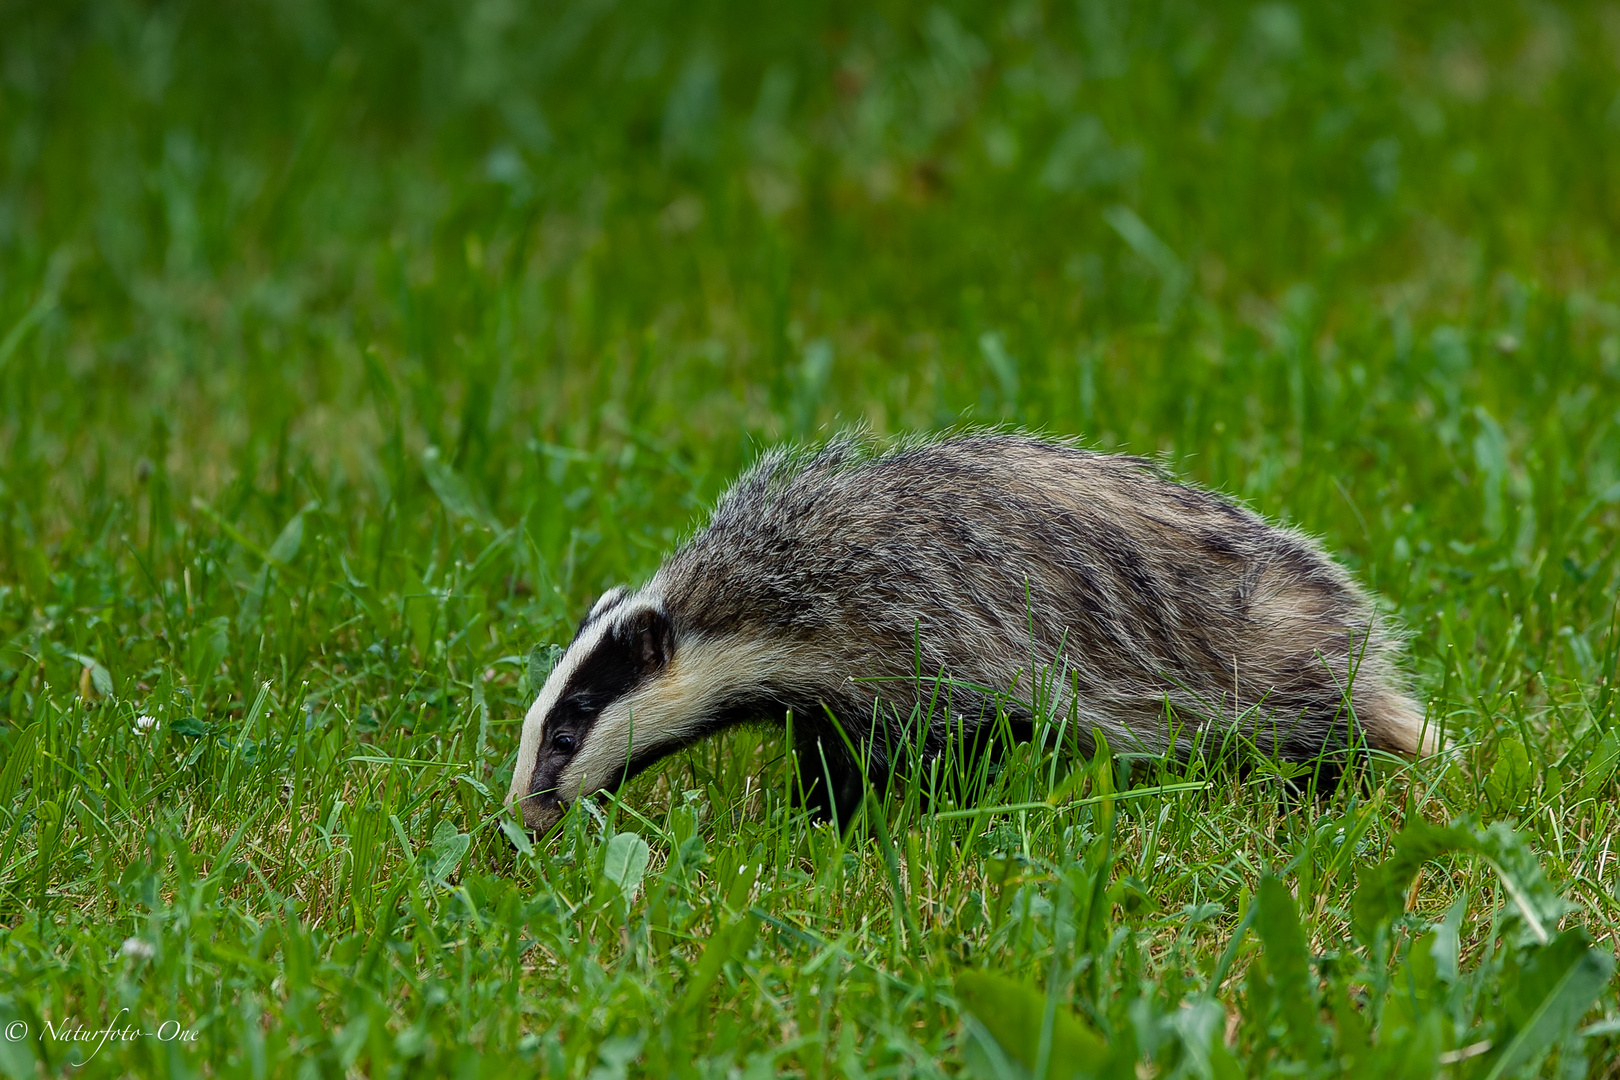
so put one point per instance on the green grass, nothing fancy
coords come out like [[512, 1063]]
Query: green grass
[[348, 350]]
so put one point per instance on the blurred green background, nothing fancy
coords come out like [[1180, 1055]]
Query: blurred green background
[[587, 223]]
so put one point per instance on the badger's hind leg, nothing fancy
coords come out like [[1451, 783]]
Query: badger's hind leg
[[1335, 746], [963, 761]]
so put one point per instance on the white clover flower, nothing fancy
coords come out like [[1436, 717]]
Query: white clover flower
[[143, 725]]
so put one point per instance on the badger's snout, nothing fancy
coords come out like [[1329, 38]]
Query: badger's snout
[[579, 734], [536, 800], [541, 812]]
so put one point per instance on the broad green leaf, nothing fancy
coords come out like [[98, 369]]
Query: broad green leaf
[[1381, 893], [1446, 952], [1556, 985], [207, 647], [1538, 903], [448, 848], [1410, 1053], [730, 941], [518, 835], [1014, 1014], [983, 1057], [247, 612], [1411, 991], [350, 1039], [738, 890], [420, 608], [1490, 454], [1200, 1025], [100, 677], [1355, 1038], [615, 1056], [190, 726], [48, 822], [1287, 961], [476, 784], [451, 489], [285, 548], [1512, 777], [1600, 766], [625, 862]]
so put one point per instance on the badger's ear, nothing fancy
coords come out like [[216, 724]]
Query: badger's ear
[[651, 639]]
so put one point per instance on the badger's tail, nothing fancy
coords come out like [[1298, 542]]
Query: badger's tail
[[1394, 722]]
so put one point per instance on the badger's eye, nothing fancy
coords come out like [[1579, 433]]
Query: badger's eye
[[563, 743]]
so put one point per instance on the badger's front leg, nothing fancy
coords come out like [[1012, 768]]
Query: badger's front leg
[[830, 785]]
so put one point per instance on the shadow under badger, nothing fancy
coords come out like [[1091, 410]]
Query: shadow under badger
[[873, 587]]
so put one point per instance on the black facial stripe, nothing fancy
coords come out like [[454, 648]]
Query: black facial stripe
[[611, 670], [634, 648]]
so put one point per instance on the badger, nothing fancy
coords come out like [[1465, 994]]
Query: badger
[[884, 600]]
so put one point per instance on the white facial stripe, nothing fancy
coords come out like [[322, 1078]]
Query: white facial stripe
[[671, 707], [609, 598], [534, 723]]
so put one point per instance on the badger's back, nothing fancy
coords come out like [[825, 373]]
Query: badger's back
[[999, 561]]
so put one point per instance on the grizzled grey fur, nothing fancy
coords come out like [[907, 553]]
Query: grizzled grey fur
[[933, 582]]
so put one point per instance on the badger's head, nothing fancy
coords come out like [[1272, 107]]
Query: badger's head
[[602, 714]]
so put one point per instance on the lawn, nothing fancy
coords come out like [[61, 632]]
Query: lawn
[[349, 350]]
